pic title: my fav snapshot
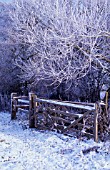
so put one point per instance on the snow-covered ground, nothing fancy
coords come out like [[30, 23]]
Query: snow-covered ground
[[22, 148]]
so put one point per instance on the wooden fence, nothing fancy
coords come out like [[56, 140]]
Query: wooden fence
[[65, 117]]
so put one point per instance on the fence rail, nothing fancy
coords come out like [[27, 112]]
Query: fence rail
[[68, 104], [64, 117]]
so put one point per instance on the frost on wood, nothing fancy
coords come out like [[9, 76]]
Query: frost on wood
[[65, 39]]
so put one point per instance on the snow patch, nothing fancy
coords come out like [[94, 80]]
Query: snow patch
[[30, 149]]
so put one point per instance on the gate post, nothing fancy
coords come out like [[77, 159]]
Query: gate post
[[106, 102], [96, 122], [31, 110], [13, 106], [35, 109]]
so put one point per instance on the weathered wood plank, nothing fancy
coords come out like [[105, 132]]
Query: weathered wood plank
[[76, 122], [96, 123], [23, 101], [59, 112], [80, 103], [13, 108], [22, 106], [23, 110], [60, 119], [21, 97], [31, 110], [80, 106]]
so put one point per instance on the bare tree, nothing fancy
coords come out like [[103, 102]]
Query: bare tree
[[65, 38], [8, 71]]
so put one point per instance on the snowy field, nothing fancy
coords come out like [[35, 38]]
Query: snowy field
[[22, 148]]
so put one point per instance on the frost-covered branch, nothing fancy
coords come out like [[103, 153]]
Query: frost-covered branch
[[66, 36]]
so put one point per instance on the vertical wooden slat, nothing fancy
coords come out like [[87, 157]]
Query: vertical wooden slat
[[96, 122], [35, 109], [13, 108], [16, 103], [106, 102], [31, 110]]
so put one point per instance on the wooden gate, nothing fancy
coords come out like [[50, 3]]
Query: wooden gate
[[71, 118], [65, 117]]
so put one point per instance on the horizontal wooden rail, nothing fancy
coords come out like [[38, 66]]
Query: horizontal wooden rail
[[23, 101], [79, 106], [20, 97], [82, 103], [64, 113], [22, 106]]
